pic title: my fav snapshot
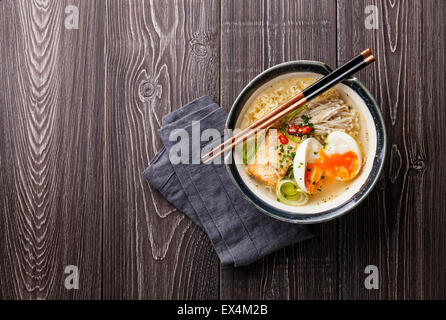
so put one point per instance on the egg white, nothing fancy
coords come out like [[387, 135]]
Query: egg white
[[307, 152], [338, 142]]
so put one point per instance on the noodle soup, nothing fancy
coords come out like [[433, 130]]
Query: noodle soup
[[312, 159]]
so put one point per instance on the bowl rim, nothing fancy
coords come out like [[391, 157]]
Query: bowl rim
[[372, 178]]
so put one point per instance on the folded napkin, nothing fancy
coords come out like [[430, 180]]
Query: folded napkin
[[239, 233]]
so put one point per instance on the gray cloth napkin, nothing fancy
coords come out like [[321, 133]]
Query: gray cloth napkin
[[239, 233]]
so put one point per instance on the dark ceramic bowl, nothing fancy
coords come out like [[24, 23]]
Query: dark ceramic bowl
[[362, 185]]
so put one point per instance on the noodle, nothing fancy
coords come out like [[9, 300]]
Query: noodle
[[280, 93], [327, 122]]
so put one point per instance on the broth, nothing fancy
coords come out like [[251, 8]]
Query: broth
[[351, 121]]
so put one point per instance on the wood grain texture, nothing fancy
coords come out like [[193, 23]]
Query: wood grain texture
[[159, 56], [255, 36], [79, 113], [51, 174], [401, 226]]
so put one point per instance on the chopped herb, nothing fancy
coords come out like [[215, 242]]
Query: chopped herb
[[322, 177], [305, 118], [290, 172], [309, 169], [281, 166], [314, 182]]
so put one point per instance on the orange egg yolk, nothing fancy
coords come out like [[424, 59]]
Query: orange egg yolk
[[330, 167]]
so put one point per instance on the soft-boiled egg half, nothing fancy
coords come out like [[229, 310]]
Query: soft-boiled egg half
[[314, 166]]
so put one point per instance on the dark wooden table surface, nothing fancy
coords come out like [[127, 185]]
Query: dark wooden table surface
[[79, 113]]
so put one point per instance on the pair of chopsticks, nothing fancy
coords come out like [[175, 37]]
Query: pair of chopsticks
[[320, 86]]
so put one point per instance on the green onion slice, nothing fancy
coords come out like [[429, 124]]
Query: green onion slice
[[289, 136], [293, 113], [288, 192], [249, 149]]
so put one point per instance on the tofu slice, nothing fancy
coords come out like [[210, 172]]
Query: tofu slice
[[265, 165]]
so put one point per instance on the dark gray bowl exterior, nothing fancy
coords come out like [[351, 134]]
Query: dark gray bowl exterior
[[355, 85]]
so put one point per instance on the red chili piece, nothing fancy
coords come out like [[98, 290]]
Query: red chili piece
[[304, 130], [283, 139], [292, 128]]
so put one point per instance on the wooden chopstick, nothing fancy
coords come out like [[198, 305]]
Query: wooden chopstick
[[320, 86], [276, 110], [257, 123]]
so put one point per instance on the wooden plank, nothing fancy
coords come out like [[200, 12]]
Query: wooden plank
[[51, 129], [401, 226], [255, 36], [70, 186], [159, 56]]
